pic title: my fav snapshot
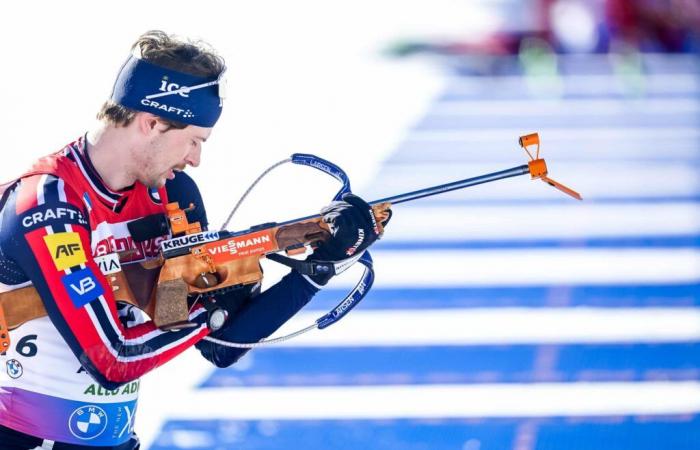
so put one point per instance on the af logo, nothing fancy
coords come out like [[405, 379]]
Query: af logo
[[87, 422], [14, 368], [169, 87], [66, 249]]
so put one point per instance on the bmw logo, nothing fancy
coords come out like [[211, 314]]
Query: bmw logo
[[87, 422], [14, 368]]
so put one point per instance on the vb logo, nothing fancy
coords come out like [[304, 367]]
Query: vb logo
[[84, 286], [169, 87], [67, 250]]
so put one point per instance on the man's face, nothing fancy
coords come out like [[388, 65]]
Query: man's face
[[170, 151]]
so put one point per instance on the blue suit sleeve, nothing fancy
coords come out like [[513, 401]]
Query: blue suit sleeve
[[184, 190], [259, 317]]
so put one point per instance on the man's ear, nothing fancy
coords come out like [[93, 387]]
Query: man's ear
[[147, 123]]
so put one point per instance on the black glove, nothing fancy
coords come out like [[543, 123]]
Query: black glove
[[230, 300], [353, 228]]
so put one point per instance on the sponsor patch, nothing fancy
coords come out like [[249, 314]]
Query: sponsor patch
[[188, 240], [66, 249], [87, 422], [108, 263], [82, 287], [38, 217], [14, 368], [249, 244]]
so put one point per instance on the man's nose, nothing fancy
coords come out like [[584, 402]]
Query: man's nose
[[193, 157]]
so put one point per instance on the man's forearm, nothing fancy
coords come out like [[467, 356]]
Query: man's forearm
[[259, 318]]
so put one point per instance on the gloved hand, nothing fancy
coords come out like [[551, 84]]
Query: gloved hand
[[353, 228]]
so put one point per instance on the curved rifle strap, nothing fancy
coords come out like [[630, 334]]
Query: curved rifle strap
[[354, 297], [317, 267], [324, 166]]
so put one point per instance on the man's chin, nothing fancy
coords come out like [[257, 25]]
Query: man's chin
[[156, 184]]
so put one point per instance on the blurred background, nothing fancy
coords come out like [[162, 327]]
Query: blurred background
[[505, 316]]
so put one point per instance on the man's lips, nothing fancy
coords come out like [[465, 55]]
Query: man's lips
[[170, 174]]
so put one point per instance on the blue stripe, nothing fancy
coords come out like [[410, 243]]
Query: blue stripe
[[580, 65], [581, 433], [604, 296], [50, 191], [653, 63], [425, 151], [439, 202], [506, 92], [604, 242], [384, 366], [466, 122]]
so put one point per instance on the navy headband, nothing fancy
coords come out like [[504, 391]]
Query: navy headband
[[169, 94]]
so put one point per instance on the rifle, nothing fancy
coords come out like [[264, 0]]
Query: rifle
[[196, 262]]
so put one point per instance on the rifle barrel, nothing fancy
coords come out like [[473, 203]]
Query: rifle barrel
[[441, 189], [401, 198], [434, 190]]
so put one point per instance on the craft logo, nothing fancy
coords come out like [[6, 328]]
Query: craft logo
[[82, 287], [39, 217], [186, 113], [87, 422], [66, 249], [14, 368]]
